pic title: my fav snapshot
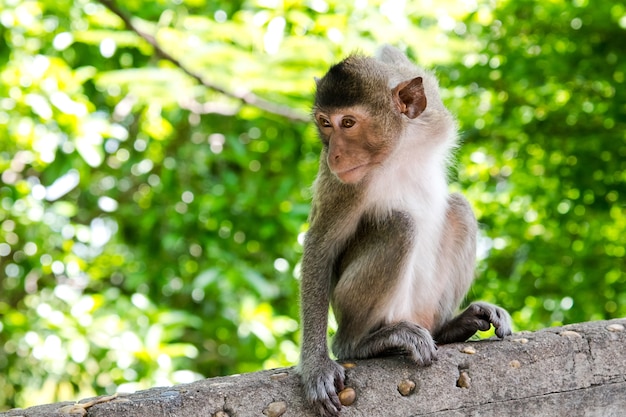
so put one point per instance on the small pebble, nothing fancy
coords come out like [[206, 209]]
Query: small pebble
[[170, 394], [469, 350], [406, 387], [615, 327], [275, 409], [464, 380], [347, 396], [571, 334], [279, 376]]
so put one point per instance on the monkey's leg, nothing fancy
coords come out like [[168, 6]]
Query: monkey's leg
[[456, 266], [369, 272], [401, 337], [478, 316]]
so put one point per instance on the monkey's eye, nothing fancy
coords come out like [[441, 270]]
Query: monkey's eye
[[324, 122], [347, 123]]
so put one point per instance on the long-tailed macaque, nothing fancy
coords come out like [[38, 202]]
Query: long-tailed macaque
[[388, 246]]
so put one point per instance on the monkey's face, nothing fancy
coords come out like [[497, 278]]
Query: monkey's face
[[360, 119], [353, 142]]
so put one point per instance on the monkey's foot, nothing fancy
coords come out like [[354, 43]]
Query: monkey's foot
[[478, 316], [485, 314], [402, 337]]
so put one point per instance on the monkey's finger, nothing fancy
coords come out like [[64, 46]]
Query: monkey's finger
[[334, 405], [501, 321], [483, 325], [501, 333], [339, 385], [327, 403], [503, 329], [325, 409]]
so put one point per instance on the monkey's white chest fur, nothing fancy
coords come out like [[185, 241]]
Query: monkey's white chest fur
[[415, 184]]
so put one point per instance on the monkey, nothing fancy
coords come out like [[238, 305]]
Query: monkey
[[388, 247]]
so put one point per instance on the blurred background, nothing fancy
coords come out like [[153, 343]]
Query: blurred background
[[156, 158]]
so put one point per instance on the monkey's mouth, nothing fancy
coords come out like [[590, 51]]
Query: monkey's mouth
[[352, 175]]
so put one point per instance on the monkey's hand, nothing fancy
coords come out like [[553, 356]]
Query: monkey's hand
[[322, 381]]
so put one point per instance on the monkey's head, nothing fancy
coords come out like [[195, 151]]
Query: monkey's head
[[360, 118]]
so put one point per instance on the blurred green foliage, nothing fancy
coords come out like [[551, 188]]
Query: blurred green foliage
[[150, 226]]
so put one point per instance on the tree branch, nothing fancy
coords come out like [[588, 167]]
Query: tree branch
[[246, 97]]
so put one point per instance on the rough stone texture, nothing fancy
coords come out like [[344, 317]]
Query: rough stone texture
[[576, 370]]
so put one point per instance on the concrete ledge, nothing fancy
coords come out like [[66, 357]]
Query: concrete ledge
[[575, 370]]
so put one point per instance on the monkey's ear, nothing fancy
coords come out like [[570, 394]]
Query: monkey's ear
[[409, 97], [317, 80]]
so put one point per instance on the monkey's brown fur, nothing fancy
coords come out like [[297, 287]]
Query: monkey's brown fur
[[388, 246]]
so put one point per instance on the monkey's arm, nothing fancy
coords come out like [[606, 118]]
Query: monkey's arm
[[322, 377]]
